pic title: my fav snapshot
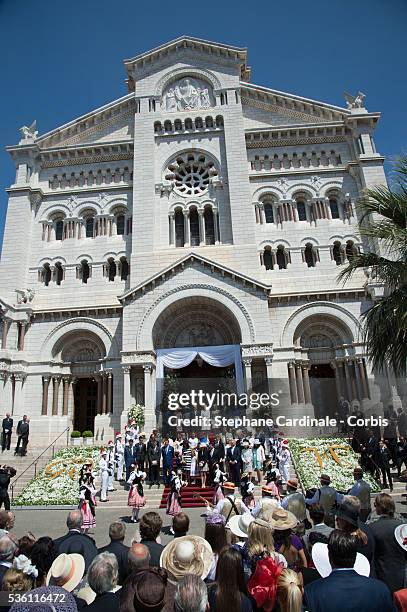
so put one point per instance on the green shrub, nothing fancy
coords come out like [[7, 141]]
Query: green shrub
[[87, 434], [75, 434]]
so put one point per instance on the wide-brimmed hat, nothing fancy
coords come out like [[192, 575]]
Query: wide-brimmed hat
[[256, 441], [239, 524], [320, 558], [65, 602], [269, 489], [348, 513], [284, 519], [325, 478], [149, 589], [292, 483], [188, 554], [66, 571], [229, 485], [400, 533], [358, 470]]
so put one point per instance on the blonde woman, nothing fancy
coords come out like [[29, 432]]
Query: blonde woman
[[259, 544], [290, 590]]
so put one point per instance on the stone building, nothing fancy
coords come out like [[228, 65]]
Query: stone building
[[198, 209]]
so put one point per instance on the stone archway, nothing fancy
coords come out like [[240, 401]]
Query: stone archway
[[195, 321]]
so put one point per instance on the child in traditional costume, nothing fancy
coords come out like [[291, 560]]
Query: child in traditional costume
[[174, 501], [87, 502], [219, 478], [136, 499]]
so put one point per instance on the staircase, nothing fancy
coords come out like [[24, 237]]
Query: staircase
[[188, 499], [26, 469]]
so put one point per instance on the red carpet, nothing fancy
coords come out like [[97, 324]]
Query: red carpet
[[188, 499]]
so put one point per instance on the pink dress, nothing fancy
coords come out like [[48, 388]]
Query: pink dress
[[136, 497], [174, 498]]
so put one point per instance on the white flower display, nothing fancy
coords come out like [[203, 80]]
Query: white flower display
[[333, 456], [58, 483]]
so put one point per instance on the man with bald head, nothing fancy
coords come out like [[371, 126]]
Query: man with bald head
[[75, 541], [139, 557]]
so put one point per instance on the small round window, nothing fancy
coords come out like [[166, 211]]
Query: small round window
[[191, 173]]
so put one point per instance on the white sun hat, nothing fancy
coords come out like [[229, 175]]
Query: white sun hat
[[321, 561]]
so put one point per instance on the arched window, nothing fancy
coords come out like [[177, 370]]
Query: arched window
[[111, 269], [269, 212], [351, 250], [281, 257], [90, 227], [219, 121], [337, 253], [120, 224], [302, 211], [310, 255], [59, 229], [178, 125], [157, 126], [46, 274], [179, 228], [124, 272], [84, 271], [209, 122], [333, 205], [167, 126], [188, 124], [58, 273], [194, 227], [198, 123], [268, 258], [209, 226]]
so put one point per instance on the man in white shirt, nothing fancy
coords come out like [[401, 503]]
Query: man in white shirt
[[104, 476], [119, 456]]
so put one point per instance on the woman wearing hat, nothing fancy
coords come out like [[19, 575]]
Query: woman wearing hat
[[348, 520], [144, 591], [189, 554], [259, 458], [247, 458], [136, 499], [260, 544], [87, 503], [286, 542]]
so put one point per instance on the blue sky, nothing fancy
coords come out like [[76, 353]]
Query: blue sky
[[62, 59]]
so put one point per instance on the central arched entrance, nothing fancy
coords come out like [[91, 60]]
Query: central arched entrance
[[198, 339]]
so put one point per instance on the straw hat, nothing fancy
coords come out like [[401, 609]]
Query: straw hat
[[400, 533], [292, 483], [320, 558], [188, 554], [229, 485], [283, 519], [66, 571], [239, 524], [325, 478]]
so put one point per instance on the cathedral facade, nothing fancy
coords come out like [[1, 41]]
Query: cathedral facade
[[198, 210]]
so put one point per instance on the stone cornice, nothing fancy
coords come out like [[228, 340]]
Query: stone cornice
[[285, 136], [321, 294]]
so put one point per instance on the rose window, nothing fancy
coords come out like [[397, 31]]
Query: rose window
[[191, 174]]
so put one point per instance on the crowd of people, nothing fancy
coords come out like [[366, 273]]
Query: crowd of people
[[283, 549]]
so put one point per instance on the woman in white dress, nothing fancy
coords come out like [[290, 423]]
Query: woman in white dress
[[247, 459]]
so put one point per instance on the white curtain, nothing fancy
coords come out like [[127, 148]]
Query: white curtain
[[218, 356]]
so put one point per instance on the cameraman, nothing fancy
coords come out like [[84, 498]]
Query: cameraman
[[6, 474]]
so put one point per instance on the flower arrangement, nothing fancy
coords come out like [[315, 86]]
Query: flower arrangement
[[333, 456], [136, 413], [58, 483]]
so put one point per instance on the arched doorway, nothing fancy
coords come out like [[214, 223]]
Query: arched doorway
[[191, 323], [322, 340], [82, 351]]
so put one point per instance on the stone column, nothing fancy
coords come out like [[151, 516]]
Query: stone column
[[202, 235], [19, 378], [104, 392], [126, 388], [357, 377], [172, 228], [109, 407], [99, 394], [364, 380], [65, 396], [3, 404], [351, 370], [300, 385], [247, 362], [6, 326], [269, 368], [57, 380], [307, 388], [186, 227], [341, 379], [45, 387], [147, 386], [23, 329], [216, 226], [348, 383], [293, 385]]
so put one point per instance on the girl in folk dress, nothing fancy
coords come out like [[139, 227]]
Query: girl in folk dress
[[174, 502], [87, 502], [136, 498], [218, 479]]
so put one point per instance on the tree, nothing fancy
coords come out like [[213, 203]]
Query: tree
[[383, 221]]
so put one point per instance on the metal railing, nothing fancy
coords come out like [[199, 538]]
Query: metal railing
[[36, 460]]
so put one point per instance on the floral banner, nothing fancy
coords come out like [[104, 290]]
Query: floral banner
[[58, 483], [333, 456]]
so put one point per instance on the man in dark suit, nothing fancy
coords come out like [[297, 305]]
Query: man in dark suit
[[129, 457], [234, 456], [117, 531], [7, 428], [141, 453], [167, 453], [102, 579], [23, 431], [75, 541], [389, 558], [345, 590]]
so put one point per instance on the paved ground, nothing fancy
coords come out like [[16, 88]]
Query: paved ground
[[53, 523]]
